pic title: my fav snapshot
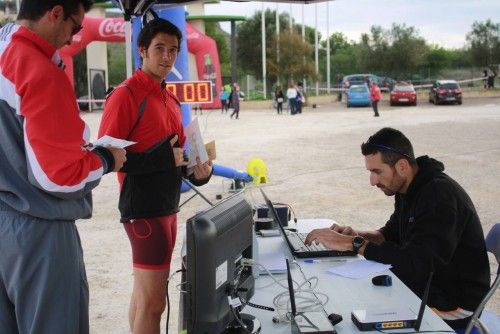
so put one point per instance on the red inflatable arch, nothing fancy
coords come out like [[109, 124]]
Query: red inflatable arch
[[113, 30]]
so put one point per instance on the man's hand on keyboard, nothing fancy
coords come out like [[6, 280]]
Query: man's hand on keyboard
[[330, 239], [342, 229]]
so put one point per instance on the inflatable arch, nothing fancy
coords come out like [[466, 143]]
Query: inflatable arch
[[201, 46]]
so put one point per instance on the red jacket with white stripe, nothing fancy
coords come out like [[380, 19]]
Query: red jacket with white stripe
[[150, 180], [45, 171]]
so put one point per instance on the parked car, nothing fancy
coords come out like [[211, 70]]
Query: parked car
[[445, 91], [385, 84], [358, 95], [403, 93]]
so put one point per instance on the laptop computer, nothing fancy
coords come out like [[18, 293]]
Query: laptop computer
[[295, 240]]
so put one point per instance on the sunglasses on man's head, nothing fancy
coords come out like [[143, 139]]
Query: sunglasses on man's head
[[388, 148]]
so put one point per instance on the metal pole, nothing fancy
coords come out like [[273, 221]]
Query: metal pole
[[263, 29], [328, 47], [277, 42], [234, 75], [291, 20], [128, 48], [316, 44], [303, 40]]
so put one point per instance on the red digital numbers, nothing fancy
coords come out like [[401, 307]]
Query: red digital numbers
[[192, 91]]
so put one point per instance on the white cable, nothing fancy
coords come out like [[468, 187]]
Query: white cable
[[306, 299]]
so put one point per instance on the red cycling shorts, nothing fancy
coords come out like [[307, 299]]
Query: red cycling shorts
[[152, 241]]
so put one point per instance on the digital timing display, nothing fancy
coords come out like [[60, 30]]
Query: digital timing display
[[192, 91]]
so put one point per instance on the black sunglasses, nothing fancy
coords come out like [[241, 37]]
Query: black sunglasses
[[388, 148], [76, 27]]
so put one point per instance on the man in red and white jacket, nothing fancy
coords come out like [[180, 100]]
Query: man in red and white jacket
[[46, 174], [375, 97]]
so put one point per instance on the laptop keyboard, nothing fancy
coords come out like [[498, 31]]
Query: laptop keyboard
[[297, 241]]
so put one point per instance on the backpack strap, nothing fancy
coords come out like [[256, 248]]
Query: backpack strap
[[142, 107]]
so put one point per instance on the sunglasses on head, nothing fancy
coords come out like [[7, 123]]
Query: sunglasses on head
[[388, 148]]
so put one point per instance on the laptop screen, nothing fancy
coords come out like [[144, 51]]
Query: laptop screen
[[274, 214]]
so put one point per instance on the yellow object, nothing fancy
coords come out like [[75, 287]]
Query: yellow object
[[257, 169]]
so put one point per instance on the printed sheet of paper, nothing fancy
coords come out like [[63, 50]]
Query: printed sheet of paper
[[196, 146], [359, 269], [111, 141]]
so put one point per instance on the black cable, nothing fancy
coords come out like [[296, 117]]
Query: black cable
[[168, 301], [238, 320], [168, 310]]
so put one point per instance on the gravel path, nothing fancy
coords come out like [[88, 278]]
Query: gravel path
[[314, 164]]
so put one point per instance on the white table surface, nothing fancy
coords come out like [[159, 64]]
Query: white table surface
[[344, 294]]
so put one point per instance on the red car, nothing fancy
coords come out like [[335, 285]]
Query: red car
[[403, 93]]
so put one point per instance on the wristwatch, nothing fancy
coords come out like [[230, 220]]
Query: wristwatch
[[357, 243]]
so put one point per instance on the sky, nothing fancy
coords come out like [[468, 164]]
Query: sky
[[441, 22]]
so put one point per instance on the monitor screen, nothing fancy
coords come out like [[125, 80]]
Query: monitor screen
[[217, 239]]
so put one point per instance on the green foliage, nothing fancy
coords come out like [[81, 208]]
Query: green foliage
[[249, 39], [294, 58], [116, 63], [80, 74], [484, 43], [397, 52], [214, 31]]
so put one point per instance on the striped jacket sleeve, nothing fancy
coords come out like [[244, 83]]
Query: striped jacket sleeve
[[54, 133]]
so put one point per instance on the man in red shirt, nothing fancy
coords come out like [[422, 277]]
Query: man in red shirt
[[143, 110], [375, 97]]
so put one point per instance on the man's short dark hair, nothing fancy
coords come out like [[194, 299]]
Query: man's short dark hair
[[153, 28], [392, 144], [34, 9]]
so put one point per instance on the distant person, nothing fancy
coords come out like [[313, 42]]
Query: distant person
[[491, 81], [375, 98], [485, 80], [235, 100], [300, 99], [434, 228], [340, 79], [291, 95], [48, 169], [279, 98], [150, 181], [224, 100]]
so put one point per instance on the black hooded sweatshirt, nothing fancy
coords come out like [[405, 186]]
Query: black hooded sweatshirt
[[435, 227]]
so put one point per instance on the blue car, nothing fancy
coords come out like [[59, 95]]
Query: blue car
[[358, 95]]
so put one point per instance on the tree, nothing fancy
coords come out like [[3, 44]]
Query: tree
[[294, 58], [213, 30], [342, 56], [484, 43], [397, 52], [249, 39]]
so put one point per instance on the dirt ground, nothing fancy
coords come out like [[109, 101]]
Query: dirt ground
[[314, 164]]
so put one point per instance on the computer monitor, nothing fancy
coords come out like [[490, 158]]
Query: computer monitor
[[217, 240]]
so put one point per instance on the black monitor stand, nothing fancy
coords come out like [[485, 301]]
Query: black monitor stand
[[251, 323]]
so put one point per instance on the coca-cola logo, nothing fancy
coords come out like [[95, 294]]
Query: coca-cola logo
[[112, 27], [193, 35]]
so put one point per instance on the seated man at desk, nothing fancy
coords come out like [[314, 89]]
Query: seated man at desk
[[434, 227]]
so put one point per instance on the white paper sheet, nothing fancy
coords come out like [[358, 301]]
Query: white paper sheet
[[196, 146], [111, 141], [359, 269]]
